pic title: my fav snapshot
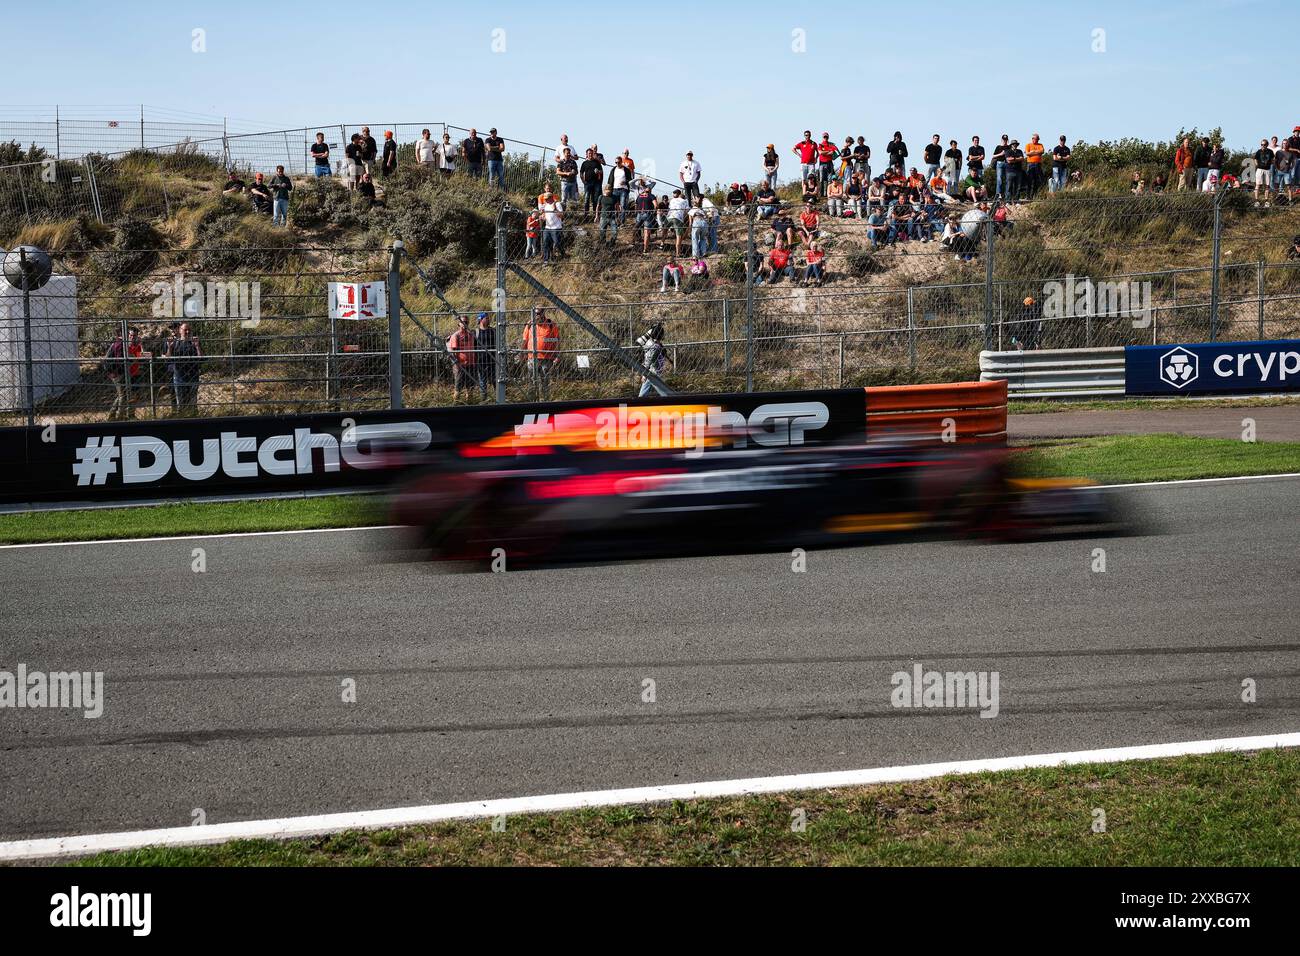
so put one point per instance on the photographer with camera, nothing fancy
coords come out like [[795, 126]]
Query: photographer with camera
[[653, 356]]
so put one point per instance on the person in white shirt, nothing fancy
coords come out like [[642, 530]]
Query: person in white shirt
[[552, 221], [715, 217], [426, 150], [447, 154], [689, 174], [699, 220], [564, 144], [678, 207]]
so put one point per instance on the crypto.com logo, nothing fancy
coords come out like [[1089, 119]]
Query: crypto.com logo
[[180, 299], [1179, 367]]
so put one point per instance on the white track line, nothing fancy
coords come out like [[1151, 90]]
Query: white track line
[[305, 826], [389, 527]]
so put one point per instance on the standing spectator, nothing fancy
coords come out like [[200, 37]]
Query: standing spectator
[[1015, 160], [1216, 159], [699, 221], [645, 214], [1292, 148], [533, 233], [678, 207], [448, 155], [552, 211], [1034, 164], [485, 354], [715, 219], [653, 355], [369, 150], [846, 161], [620, 182], [496, 159], [184, 358], [353, 163], [975, 158], [460, 345], [592, 174], [1276, 147], [1027, 334], [320, 154], [862, 159], [474, 153], [426, 150], [1202, 159], [1283, 170], [1184, 167], [1000, 166], [815, 272], [260, 195], [897, 150], [281, 186], [766, 201], [1060, 165], [388, 162], [689, 174], [608, 216], [122, 372], [952, 162], [567, 169], [563, 145], [806, 150], [1263, 169], [771, 165], [541, 357], [933, 153], [827, 153]]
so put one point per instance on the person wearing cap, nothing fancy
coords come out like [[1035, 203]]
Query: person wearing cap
[[388, 162], [485, 354], [473, 152], [1263, 169], [1000, 166], [827, 153], [260, 195], [496, 159], [689, 174], [771, 165], [1061, 156], [1015, 160], [735, 197], [460, 346]]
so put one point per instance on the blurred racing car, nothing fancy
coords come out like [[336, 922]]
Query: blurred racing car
[[565, 495]]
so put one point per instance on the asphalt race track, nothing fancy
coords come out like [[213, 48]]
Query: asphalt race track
[[223, 688]]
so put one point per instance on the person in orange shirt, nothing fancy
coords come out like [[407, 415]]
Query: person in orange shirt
[[541, 358], [460, 346], [1034, 164], [1184, 166], [532, 232]]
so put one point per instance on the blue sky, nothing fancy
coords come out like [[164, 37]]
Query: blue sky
[[722, 78]]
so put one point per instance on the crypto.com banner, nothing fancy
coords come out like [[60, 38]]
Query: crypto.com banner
[[255, 455], [1211, 368]]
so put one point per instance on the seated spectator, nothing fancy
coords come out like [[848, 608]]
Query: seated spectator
[[736, 197], [902, 222], [923, 224], [1158, 184], [876, 193], [856, 196], [366, 190], [698, 278], [767, 202], [835, 199], [1294, 251], [809, 220], [234, 185], [672, 272], [260, 195], [783, 229], [878, 230], [777, 264], [815, 270], [973, 190], [1001, 218], [812, 189], [939, 186]]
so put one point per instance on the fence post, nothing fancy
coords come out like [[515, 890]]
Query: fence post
[[911, 329], [58, 141], [749, 300], [988, 284], [27, 337], [395, 326], [1214, 265], [1259, 285], [541, 168], [499, 303]]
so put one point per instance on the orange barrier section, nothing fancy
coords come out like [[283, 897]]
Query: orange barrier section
[[976, 410]]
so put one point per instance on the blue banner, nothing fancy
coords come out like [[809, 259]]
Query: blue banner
[[1212, 368]]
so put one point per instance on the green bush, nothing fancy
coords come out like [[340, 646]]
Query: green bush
[[134, 249]]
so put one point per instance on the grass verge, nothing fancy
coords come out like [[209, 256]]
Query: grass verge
[[1037, 407], [1230, 809], [1111, 459]]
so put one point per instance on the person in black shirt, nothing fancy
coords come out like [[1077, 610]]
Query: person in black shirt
[[1060, 165], [897, 151], [736, 197], [281, 186], [369, 149], [260, 195], [234, 185], [388, 165], [592, 174], [1000, 165], [933, 152], [1015, 160], [862, 158], [975, 158], [320, 152], [1201, 159], [474, 152], [765, 198], [567, 169], [352, 158], [366, 187], [496, 160], [485, 354], [952, 165]]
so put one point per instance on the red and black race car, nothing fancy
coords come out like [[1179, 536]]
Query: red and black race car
[[575, 493]]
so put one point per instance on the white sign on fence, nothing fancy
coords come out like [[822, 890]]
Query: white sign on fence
[[358, 300]]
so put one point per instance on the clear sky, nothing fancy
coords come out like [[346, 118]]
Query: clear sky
[[720, 77]]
